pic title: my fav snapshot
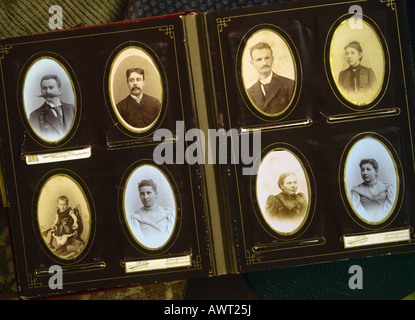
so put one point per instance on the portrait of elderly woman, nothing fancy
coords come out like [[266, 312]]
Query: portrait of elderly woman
[[372, 199], [288, 206], [283, 191]]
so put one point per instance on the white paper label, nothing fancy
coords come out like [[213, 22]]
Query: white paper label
[[376, 238], [58, 156], [157, 264]]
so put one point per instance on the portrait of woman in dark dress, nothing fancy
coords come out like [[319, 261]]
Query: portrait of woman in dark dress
[[357, 62], [288, 208], [357, 81]]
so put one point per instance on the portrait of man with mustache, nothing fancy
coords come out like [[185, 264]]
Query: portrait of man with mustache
[[271, 93], [53, 120], [138, 109]]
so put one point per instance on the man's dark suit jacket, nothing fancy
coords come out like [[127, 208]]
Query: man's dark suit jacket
[[47, 126], [279, 94], [139, 115]]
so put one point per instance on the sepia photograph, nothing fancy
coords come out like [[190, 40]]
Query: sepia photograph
[[135, 89], [371, 181], [49, 99], [268, 72], [149, 207], [283, 191], [64, 216], [357, 62]]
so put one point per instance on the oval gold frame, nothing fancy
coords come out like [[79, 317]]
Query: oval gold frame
[[243, 51], [49, 56], [86, 205], [307, 183], [127, 223], [113, 65], [342, 179], [377, 37]]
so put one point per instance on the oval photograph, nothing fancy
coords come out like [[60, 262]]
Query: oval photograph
[[371, 181], [149, 207], [135, 89], [268, 72], [49, 99], [64, 216], [283, 191], [357, 62]]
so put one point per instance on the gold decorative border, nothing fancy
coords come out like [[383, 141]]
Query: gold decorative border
[[221, 23], [5, 50], [390, 3], [168, 31]]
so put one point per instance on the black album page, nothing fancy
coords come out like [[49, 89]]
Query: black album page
[[321, 97], [98, 191]]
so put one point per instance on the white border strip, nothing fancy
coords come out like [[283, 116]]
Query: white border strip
[[58, 156], [376, 238], [157, 264]]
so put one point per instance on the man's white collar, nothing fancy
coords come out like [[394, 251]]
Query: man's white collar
[[53, 105]]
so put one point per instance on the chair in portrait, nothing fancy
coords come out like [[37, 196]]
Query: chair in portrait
[[64, 216]]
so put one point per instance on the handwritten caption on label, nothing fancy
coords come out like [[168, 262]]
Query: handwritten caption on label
[[376, 238]]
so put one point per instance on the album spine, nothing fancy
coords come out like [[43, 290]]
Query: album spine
[[200, 70], [3, 134], [3, 193]]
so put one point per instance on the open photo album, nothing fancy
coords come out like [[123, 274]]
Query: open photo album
[[205, 144]]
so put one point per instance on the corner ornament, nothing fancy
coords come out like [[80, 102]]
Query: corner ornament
[[222, 23], [390, 3], [168, 31], [4, 50]]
